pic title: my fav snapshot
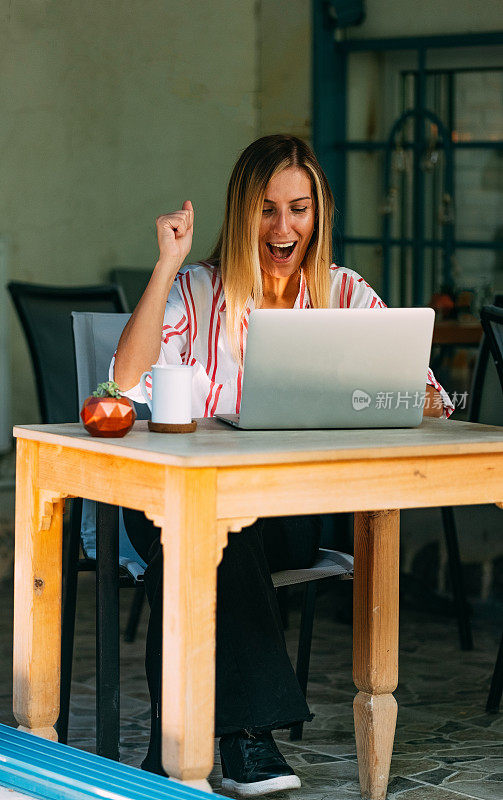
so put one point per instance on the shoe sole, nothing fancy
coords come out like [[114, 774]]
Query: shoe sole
[[262, 787]]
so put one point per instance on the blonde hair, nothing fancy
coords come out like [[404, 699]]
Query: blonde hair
[[236, 252]]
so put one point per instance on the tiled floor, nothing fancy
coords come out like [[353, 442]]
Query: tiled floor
[[446, 746]]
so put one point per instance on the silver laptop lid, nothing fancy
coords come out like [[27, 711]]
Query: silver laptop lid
[[336, 368]]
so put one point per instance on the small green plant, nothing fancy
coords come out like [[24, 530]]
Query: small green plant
[[107, 389]]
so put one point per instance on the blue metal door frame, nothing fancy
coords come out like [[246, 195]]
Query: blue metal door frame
[[329, 115]]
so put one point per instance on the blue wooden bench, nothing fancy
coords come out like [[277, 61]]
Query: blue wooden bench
[[45, 769]]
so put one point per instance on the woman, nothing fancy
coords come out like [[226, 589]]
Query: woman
[[274, 251]]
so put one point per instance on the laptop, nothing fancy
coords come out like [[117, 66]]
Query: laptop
[[335, 368]]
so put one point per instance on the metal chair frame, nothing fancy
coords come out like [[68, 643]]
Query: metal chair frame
[[448, 518], [489, 316]]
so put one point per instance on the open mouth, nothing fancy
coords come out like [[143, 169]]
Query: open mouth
[[281, 252]]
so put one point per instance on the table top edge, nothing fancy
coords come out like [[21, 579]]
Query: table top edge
[[229, 460]]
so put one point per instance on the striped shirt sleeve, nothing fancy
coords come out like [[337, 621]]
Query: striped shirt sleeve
[[446, 400], [349, 290]]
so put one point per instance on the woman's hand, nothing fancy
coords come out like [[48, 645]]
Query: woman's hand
[[433, 406], [174, 234]]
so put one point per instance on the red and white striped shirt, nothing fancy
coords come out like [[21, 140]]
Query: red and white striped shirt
[[194, 332]]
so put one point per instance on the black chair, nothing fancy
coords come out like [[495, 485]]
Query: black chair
[[485, 406], [95, 338], [329, 564], [132, 281], [496, 688], [492, 324], [44, 312], [45, 315]]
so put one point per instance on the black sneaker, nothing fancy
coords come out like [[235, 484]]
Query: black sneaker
[[252, 765]]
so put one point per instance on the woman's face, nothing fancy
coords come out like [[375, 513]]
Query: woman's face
[[287, 219]]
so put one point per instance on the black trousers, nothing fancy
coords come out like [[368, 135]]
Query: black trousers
[[256, 686]]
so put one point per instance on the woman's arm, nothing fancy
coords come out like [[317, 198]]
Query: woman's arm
[[140, 342]]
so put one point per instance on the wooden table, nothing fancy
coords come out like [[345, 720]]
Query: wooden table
[[198, 487]]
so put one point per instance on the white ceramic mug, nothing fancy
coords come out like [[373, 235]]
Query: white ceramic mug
[[171, 393]]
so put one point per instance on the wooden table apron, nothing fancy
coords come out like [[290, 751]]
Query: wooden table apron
[[196, 507]]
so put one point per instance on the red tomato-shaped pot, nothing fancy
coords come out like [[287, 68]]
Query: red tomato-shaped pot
[[108, 416]]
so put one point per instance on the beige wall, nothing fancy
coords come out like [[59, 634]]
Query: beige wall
[[113, 112], [285, 41]]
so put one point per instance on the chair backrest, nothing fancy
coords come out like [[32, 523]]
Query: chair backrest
[[486, 404], [491, 318], [96, 336], [44, 312], [133, 282]]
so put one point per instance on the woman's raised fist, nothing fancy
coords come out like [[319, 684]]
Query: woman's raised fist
[[174, 233]]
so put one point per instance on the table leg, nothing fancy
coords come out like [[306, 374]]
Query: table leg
[[37, 598], [375, 645], [189, 538]]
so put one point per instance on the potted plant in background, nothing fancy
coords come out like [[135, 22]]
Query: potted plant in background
[[107, 413]]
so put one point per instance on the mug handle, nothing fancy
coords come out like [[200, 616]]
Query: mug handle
[[143, 389]]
